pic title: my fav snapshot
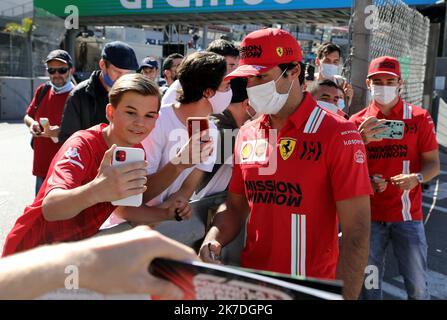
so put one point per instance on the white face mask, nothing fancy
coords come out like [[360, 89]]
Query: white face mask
[[328, 71], [330, 106], [383, 94], [221, 100], [264, 98]]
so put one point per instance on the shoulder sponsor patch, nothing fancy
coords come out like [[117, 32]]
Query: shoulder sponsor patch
[[286, 147], [72, 155]]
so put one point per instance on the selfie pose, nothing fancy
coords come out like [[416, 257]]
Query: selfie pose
[[76, 196], [199, 98], [401, 156]]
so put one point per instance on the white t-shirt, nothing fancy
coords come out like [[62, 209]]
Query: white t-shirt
[[167, 137], [171, 95], [163, 143]]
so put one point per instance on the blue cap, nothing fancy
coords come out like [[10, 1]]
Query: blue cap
[[120, 54], [149, 62]]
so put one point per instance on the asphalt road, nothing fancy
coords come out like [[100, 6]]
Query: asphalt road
[[17, 190]]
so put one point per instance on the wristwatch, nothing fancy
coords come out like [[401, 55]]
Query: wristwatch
[[420, 177]]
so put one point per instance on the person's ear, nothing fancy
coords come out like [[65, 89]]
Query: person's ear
[[102, 64], [368, 83], [209, 93], [245, 104], [317, 62], [167, 73], [110, 112], [295, 72]]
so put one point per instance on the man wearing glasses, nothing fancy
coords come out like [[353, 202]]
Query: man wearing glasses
[[44, 113]]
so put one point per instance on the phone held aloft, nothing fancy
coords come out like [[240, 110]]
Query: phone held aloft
[[198, 124], [395, 130], [121, 156]]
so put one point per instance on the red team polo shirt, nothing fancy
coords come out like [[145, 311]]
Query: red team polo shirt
[[51, 107], [75, 164], [392, 157], [292, 227]]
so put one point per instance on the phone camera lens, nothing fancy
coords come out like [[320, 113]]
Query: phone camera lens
[[120, 156]]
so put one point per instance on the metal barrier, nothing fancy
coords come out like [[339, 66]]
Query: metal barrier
[[14, 51], [192, 232], [402, 32]]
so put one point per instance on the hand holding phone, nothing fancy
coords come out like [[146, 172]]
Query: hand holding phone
[[122, 156], [198, 124], [394, 130], [45, 123]]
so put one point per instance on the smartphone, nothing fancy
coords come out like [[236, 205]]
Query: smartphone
[[44, 122], [121, 156], [198, 124], [310, 72], [395, 130]]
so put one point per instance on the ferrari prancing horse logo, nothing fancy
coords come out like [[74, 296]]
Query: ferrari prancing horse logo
[[280, 51], [286, 147]]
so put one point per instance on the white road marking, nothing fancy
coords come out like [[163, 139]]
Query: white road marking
[[436, 286], [442, 191], [436, 208]]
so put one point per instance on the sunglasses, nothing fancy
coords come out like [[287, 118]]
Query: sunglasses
[[63, 70]]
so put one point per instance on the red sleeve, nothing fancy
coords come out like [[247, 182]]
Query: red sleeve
[[237, 181], [30, 110], [347, 163], [427, 136], [70, 165]]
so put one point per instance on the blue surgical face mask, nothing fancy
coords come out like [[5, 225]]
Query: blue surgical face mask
[[109, 82], [67, 87]]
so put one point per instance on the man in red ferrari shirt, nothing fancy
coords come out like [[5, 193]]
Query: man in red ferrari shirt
[[397, 169], [295, 168], [51, 106], [75, 198]]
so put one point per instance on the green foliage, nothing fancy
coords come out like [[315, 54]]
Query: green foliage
[[25, 27]]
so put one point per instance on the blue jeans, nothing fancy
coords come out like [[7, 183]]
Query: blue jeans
[[39, 182], [410, 250]]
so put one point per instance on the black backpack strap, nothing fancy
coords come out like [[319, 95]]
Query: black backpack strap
[[41, 95]]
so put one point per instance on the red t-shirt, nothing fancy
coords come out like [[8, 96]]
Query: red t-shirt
[[320, 159], [75, 164], [392, 157], [51, 107]]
